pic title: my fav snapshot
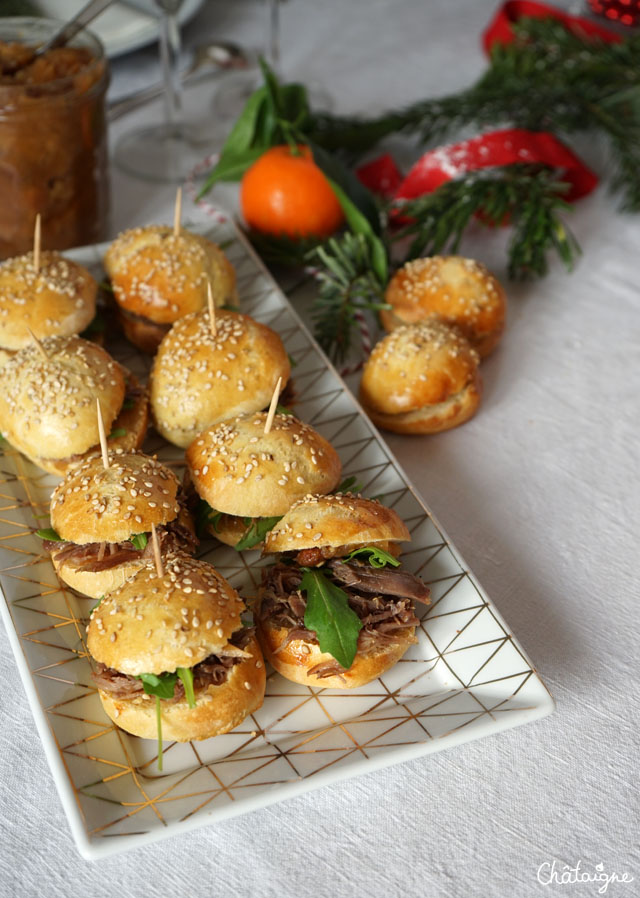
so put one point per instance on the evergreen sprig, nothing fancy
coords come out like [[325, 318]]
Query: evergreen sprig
[[528, 197], [348, 284], [549, 78]]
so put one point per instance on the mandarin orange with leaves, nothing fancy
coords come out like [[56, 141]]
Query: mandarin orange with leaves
[[285, 193]]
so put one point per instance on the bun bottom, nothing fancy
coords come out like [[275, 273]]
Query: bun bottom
[[218, 708], [142, 332], [294, 661], [231, 528], [432, 418], [96, 584]]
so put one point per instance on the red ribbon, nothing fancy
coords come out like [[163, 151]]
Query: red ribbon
[[500, 28], [504, 147]]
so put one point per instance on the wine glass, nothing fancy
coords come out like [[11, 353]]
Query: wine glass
[[234, 93], [162, 152]]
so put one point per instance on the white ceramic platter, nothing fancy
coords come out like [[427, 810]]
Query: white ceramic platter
[[466, 678]]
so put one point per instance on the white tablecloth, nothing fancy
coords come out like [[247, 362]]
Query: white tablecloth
[[540, 494]]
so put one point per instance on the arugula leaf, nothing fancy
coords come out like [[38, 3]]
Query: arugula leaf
[[128, 403], [377, 557], [258, 529], [3, 439], [139, 540], [105, 285], [205, 516], [161, 685], [93, 607], [50, 533], [349, 485], [283, 410], [97, 325], [328, 614], [117, 432], [186, 675]]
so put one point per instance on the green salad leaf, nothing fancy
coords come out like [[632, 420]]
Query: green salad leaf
[[93, 607], [127, 404], [139, 540], [256, 532], [206, 516], [328, 614], [349, 485], [117, 432], [283, 410], [186, 676], [161, 685], [51, 534], [377, 557]]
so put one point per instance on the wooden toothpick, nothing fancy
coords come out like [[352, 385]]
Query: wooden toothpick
[[212, 311], [272, 408], [36, 244], [156, 551], [103, 438], [41, 348], [177, 213]]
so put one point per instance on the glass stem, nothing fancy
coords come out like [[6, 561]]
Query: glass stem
[[170, 57], [273, 41]]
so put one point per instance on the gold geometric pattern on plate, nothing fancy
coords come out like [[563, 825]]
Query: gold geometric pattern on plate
[[467, 677]]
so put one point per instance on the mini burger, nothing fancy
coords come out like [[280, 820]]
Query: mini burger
[[158, 276], [173, 658], [202, 376], [421, 378], [336, 610], [248, 479], [57, 299], [101, 520], [461, 292], [48, 402]]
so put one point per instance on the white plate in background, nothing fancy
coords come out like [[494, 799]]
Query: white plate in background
[[120, 27]]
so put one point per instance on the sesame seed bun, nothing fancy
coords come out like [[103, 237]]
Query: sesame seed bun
[[161, 276], [198, 380], [229, 529], [240, 470], [460, 291], [48, 406], [336, 520], [421, 378], [218, 708], [134, 421], [97, 505], [59, 299], [153, 624], [95, 584], [298, 657]]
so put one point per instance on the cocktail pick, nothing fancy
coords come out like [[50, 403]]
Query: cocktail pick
[[272, 408], [103, 438]]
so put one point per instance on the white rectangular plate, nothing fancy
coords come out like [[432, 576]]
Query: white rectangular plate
[[467, 677]]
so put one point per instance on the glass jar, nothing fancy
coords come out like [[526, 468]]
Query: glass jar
[[53, 139]]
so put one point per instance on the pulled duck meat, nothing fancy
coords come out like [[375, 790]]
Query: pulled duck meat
[[213, 671], [88, 557], [381, 597]]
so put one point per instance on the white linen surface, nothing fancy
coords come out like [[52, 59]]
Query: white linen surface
[[539, 493]]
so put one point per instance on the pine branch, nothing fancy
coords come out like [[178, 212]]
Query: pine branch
[[527, 197], [548, 79], [348, 285]]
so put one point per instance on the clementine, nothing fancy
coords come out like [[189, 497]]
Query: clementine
[[284, 192]]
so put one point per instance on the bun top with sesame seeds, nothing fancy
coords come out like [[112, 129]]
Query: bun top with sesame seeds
[[58, 299], [154, 624], [199, 379], [94, 504], [162, 277], [240, 470], [48, 405], [460, 291], [337, 520], [417, 365]]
